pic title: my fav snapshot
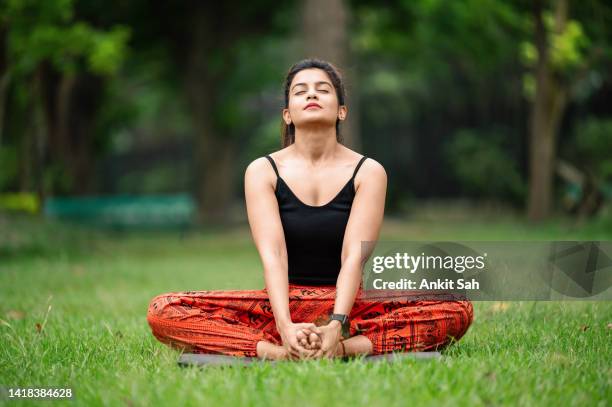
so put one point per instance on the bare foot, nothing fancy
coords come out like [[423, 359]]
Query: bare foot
[[309, 339], [312, 341], [270, 351]]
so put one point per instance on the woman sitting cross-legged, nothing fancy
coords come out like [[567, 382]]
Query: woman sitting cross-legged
[[310, 205]]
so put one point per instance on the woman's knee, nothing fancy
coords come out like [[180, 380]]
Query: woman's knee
[[462, 319], [468, 310], [158, 304]]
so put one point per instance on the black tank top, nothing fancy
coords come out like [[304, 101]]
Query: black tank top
[[314, 234]]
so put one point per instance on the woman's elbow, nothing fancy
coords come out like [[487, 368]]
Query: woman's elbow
[[274, 257], [353, 258]]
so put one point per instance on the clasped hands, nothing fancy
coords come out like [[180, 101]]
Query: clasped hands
[[308, 341]]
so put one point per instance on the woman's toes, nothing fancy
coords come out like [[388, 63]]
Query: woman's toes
[[283, 354], [315, 341]]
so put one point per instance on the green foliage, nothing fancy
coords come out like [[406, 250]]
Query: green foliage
[[567, 50], [161, 179], [593, 143], [47, 31], [266, 139], [482, 164], [46, 40], [432, 33], [57, 178], [20, 202], [258, 68], [9, 165], [142, 105], [423, 68], [108, 50]]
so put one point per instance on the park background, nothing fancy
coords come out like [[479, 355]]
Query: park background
[[126, 127]]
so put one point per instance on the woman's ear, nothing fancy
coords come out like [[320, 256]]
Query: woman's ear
[[286, 117], [342, 112]]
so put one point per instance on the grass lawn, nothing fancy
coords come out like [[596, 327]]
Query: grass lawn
[[74, 304]]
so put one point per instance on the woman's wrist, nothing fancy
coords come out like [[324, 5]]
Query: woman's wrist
[[336, 324], [282, 324]]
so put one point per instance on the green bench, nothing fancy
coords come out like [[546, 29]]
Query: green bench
[[124, 210]]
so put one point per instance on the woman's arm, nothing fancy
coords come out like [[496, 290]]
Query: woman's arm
[[364, 225], [267, 230]]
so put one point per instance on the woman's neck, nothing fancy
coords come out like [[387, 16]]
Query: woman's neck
[[315, 145]]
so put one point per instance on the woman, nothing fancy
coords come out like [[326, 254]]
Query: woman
[[308, 223]]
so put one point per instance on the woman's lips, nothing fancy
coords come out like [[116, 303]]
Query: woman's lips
[[311, 105]]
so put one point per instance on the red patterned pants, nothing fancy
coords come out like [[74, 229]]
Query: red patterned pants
[[233, 322]]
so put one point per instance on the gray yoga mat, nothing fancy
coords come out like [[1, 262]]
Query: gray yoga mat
[[203, 359]]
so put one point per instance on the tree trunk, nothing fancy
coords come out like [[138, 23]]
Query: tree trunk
[[324, 31], [33, 140], [79, 122], [71, 103], [547, 111], [215, 169], [4, 78], [214, 152]]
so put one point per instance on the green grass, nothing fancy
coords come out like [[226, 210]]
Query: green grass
[[89, 292]]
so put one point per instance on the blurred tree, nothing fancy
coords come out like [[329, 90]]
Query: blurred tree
[[586, 166], [593, 147], [55, 66], [325, 35], [561, 55], [205, 39], [433, 66], [428, 68], [481, 164], [4, 78]]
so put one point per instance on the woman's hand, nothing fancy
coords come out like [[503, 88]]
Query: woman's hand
[[289, 334], [330, 335]]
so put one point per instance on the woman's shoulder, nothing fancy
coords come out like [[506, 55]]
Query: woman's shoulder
[[369, 164], [263, 162], [260, 168], [372, 169], [372, 165]]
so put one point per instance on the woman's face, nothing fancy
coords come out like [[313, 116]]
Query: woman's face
[[313, 100]]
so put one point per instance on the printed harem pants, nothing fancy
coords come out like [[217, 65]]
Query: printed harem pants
[[233, 322]]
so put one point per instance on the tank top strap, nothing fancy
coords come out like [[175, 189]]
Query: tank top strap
[[273, 165], [358, 166]]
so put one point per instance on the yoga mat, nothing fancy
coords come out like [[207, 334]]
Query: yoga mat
[[204, 359]]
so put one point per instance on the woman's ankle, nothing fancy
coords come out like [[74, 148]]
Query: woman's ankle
[[270, 351], [340, 350], [357, 345]]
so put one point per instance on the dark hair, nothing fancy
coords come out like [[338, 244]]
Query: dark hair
[[288, 131]]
